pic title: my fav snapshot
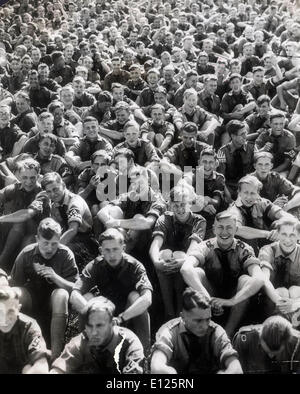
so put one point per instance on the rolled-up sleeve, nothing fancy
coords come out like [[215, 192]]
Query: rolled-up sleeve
[[222, 346]]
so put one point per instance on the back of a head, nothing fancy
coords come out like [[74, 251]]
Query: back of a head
[[193, 299], [276, 330]]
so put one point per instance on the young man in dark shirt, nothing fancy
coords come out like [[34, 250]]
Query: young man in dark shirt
[[120, 278], [22, 346], [46, 271]]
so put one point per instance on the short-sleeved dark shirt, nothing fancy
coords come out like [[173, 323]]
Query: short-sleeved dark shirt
[[228, 164], [32, 146], [189, 354], [240, 257], [24, 271], [23, 345], [275, 185], [230, 100], [176, 235], [73, 208], [283, 146], [85, 148], [114, 283], [9, 135], [285, 269], [123, 355], [181, 156], [14, 197], [154, 206], [143, 152]]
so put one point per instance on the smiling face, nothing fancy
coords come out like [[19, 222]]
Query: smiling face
[[28, 179], [288, 238], [188, 139], [22, 104], [55, 191], [209, 164], [46, 147], [90, 129], [181, 209], [131, 136], [190, 101], [225, 230], [277, 125], [240, 138], [249, 194]]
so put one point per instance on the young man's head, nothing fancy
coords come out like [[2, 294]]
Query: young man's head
[[224, 229], [98, 319], [78, 86], [180, 203], [196, 312], [238, 133], [249, 188], [190, 99], [54, 186], [235, 66], [158, 114], [258, 75], [67, 95], [45, 123], [9, 308], [160, 95], [135, 72], [104, 101], [153, 77], [191, 79], [189, 134], [275, 335], [56, 108], [112, 246], [124, 159], [277, 122], [117, 91], [47, 145], [202, 59], [235, 82], [208, 159], [248, 49], [91, 128], [27, 171], [48, 237], [22, 101], [210, 83], [99, 159], [116, 64], [131, 133], [5, 113], [263, 164], [288, 234], [263, 104], [43, 72]]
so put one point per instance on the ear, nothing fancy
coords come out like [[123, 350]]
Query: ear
[[100, 249], [124, 247], [36, 238], [217, 163]]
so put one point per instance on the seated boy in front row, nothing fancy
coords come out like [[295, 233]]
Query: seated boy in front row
[[22, 346]]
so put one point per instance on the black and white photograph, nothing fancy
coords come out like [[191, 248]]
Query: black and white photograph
[[150, 189]]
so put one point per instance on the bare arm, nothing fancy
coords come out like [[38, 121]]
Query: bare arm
[[20, 216], [70, 233], [159, 364], [139, 306]]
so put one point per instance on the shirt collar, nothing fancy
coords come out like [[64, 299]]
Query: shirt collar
[[139, 144], [216, 246], [232, 149], [65, 200], [279, 252]]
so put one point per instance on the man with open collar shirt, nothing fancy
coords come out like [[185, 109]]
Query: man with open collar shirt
[[278, 141], [236, 157], [228, 270], [122, 279]]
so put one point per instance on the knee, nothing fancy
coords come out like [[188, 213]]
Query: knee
[[139, 216], [283, 292], [294, 291], [59, 299]]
